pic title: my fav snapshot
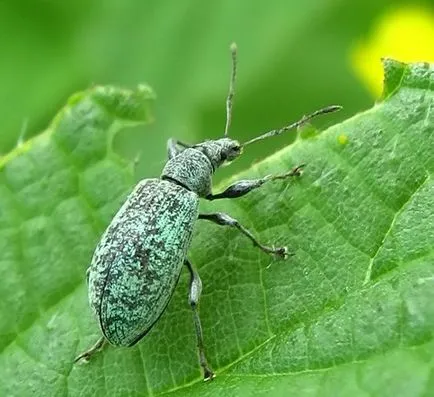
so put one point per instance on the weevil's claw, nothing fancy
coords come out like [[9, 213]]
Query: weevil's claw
[[208, 374], [84, 358], [297, 171], [282, 252], [86, 355]]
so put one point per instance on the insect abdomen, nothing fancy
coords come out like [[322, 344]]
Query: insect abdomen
[[137, 263]]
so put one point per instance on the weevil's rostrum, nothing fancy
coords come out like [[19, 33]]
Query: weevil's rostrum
[[139, 259], [137, 263]]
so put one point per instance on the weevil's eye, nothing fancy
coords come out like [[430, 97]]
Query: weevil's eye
[[233, 152]]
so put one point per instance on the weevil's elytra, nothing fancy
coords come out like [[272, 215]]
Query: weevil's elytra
[[139, 259], [137, 263]]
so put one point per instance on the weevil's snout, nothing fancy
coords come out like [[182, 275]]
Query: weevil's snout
[[221, 151], [230, 151]]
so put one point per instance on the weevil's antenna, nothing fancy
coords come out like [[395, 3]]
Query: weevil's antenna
[[230, 98], [303, 120]]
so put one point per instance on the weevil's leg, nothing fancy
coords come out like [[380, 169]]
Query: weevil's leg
[[87, 275], [175, 147], [98, 346], [241, 188], [193, 299], [225, 220]]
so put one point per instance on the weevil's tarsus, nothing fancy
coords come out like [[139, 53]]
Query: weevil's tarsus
[[231, 93], [226, 220], [193, 299], [97, 347], [243, 187], [302, 121], [296, 171]]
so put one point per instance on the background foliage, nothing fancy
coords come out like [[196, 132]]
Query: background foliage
[[292, 60]]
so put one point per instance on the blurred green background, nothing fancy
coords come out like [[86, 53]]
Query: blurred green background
[[294, 57]]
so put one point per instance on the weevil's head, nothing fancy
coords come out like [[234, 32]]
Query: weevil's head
[[225, 150], [220, 151]]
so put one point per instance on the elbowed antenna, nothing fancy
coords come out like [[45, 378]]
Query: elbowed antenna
[[303, 120], [229, 99]]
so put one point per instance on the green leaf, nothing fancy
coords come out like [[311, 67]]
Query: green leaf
[[350, 313]]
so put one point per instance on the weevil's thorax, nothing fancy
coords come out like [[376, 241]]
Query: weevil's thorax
[[191, 169], [194, 167]]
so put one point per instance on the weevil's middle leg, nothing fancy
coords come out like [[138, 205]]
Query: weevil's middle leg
[[241, 188], [193, 298], [226, 220], [97, 347]]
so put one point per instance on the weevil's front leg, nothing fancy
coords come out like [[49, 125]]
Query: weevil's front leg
[[174, 147], [193, 299], [225, 220], [241, 188], [98, 346]]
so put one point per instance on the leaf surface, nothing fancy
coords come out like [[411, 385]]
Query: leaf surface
[[349, 314]]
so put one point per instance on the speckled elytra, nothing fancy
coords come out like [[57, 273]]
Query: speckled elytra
[[137, 263]]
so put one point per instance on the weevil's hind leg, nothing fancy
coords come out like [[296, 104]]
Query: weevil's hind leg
[[174, 147], [97, 347], [241, 188], [193, 299], [226, 220]]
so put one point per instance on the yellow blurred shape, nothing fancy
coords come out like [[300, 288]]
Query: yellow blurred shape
[[405, 34], [343, 139]]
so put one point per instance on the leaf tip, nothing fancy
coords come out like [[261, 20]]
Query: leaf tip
[[128, 105], [393, 74]]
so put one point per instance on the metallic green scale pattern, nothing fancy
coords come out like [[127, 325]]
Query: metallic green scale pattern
[[137, 263]]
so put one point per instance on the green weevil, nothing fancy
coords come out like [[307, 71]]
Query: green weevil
[[138, 261]]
